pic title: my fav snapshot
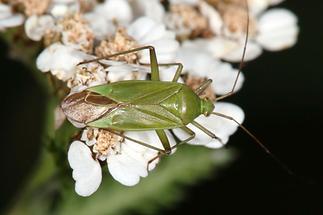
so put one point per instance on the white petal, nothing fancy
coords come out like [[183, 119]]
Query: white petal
[[36, 26], [101, 27], [5, 11], [140, 27], [214, 18], [9, 19], [196, 60], [126, 72], [150, 138], [60, 9], [120, 169], [148, 32], [155, 33], [277, 29], [223, 77], [119, 10], [200, 63], [86, 170], [231, 50], [191, 2], [274, 2], [131, 163], [257, 6], [220, 126], [168, 73], [152, 9], [60, 60]]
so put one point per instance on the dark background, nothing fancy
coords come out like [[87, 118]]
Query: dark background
[[283, 101]]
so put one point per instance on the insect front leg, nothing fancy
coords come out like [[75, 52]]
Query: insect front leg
[[163, 138]]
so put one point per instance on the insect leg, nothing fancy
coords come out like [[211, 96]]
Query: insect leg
[[203, 86], [161, 151], [152, 160], [206, 131], [164, 140], [242, 57], [152, 54], [188, 131], [178, 70]]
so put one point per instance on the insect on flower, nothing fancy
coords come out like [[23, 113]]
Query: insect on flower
[[148, 105], [144, 105]]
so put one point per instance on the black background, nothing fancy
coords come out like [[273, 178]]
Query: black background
[[283, 101]]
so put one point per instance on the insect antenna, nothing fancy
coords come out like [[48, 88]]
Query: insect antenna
[[278, 161], [242, 58]]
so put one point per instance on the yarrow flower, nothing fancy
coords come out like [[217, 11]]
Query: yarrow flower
[[8, 18], [225, 22], [200, 34], [127, 161]]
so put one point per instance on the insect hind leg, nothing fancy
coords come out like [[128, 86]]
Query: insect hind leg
[[138, 142], [159, 155]]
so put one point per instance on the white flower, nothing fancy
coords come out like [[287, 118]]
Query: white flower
[[146, 31], [60, 60], [87, 75], [123, 71], [201, 64], [127, 161], [61, 8], [118, 10], [131, 163], [277, 29], [37, 26], [102, 18], [258, 6], [273, 30], [220, 126], [190, 2], [86, 171], [8, 18], [100, 26], [152, 9]]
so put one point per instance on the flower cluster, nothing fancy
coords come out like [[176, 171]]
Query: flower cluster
[[201, 34]]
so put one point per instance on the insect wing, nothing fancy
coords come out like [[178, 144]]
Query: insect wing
[[138, 117], [84, 107], [137, 92]]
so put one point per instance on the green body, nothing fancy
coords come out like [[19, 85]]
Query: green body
[[136, 105], [148, 105]]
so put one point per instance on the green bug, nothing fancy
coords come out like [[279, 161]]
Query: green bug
[[142, 105]]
